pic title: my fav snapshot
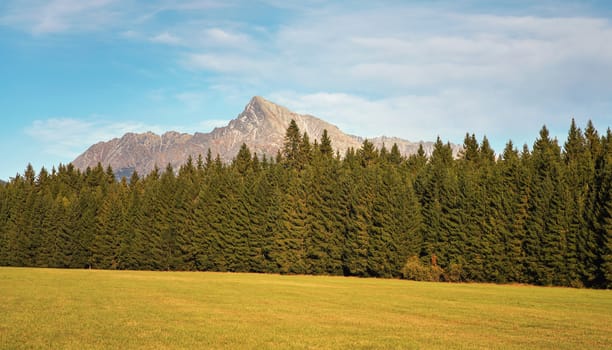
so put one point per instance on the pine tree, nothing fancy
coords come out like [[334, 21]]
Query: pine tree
[[490, 225], [135, 240], [513, 194], [110, 231], [470, 148], [5, 246], [382, 249], [264, 212], [187, 248], [548, 213], [602, 210], [152, 253], [579, 169], [291, 145], [290, 251], [306, 151], [589, 243], [326, 209], [367, 154], [395, 156], [325, 148], [356, 236], [242, 162], [439, 198]]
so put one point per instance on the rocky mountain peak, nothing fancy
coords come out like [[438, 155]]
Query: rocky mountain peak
[[261, 113], [261, 126], [253, 115], [265, 109]]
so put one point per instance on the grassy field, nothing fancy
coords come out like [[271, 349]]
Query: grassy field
[[81, 309]]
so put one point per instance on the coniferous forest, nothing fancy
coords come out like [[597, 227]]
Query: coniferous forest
[[540, 216]]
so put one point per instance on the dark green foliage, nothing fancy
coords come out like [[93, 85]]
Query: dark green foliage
[[325, 148], [291, 152], [325, 222], [541, 217]]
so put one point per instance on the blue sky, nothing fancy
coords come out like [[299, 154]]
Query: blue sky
[[73, 73]]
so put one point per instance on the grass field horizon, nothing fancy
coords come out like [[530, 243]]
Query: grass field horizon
[[90, 309]]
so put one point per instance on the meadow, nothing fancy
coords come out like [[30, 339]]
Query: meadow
[[92, 309]]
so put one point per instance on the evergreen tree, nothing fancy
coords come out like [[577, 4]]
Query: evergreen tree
[[326, 145], [356, 236], [367, 154], [602, 213], [547, 225], [186, 249], [513, 210], [290, 251], [440, 202], [291, 145], [579, 171], [110, 231], [395, 156], [326, 212], [306, 151], [242, 162], [541, 216]]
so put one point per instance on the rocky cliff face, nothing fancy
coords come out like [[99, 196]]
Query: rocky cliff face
[[261, 126]]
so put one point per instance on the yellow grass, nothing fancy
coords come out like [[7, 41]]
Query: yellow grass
[[88, 309]]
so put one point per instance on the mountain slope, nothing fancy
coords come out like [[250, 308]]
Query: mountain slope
[[262, 126]]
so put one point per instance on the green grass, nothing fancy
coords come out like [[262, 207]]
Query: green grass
[[81, 309]]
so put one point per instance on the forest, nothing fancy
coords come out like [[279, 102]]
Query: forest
[[539, 215]]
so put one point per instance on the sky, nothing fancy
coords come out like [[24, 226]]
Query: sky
[[74, 73]]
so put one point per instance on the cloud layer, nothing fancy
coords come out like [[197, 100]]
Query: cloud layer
[[422, 73], [68, 137], [403, 69]]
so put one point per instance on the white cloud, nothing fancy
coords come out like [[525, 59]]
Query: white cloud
[[398, 70], [44, 17], [214, 39], [167, 38], [226, 63], [410, 117], [192, 5], [59, 16], [226, 38], [449, 114], [68, 137], [417, 74]]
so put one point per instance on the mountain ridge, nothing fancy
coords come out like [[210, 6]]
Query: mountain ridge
[[261, 126]]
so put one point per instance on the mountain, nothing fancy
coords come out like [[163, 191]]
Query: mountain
[[261, 126]]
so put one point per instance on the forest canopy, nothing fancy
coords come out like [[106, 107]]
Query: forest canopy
[[540, 216]]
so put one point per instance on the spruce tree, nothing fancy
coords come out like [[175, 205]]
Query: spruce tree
[[242, 162], [291, 145], [578, 170], [326, 209], [513, 189], [290, 251], [325, 148], [356, 236], [186, 247], [547, 225]]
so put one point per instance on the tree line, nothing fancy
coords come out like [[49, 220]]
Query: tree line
[[541, 216]]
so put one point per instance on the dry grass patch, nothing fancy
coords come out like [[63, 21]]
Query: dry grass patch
[[80, 309]]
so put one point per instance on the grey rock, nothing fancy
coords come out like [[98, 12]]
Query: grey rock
[[261, 126]]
